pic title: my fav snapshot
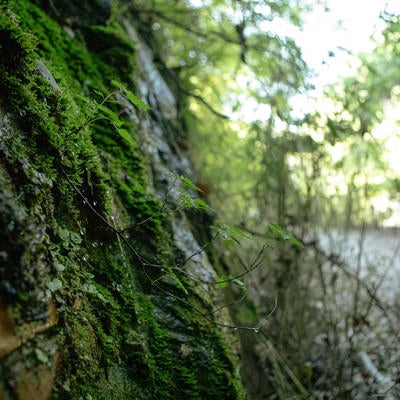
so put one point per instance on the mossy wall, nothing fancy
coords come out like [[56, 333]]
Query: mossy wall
[[89, 307]]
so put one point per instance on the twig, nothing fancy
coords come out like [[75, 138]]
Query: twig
[[144, 263], [199, 98]]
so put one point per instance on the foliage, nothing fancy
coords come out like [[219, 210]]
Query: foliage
[[73, 177], [233, 75], [234, 78], [276, 232]]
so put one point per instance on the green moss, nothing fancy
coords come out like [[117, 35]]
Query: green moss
[[118, 60], [187, 358], [121, 336]]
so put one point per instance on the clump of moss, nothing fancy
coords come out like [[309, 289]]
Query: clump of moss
[[118, 60], [82, 183]]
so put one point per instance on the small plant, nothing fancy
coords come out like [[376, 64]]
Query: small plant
[[135, 100], [186, 196], [276, 232], [230, 234], [103, 110]]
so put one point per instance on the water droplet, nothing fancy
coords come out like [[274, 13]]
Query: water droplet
[[256, 330], [95, 203]]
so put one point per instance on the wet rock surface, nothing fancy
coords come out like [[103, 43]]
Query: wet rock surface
[[78, 12], [95, 248]]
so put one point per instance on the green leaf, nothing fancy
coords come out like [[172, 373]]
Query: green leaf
[[75, 238], [188, 183], [201, 204], [100, 94], [230, 234], [113, 116], [223, 280], [41, 356], [130, 95], [64, 234], [296, 242], [135, 100], [66, 386], [239, 232], [275, 231], [240, 284], [173, 276], [185, 199], [230, 242], [59, 267], [92, 289], [117, 84], [54, 285], [126, 136], [22, 296]]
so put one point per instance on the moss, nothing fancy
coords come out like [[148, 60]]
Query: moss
[[69, 183], [187, 359], [78, 12], [118, 60]]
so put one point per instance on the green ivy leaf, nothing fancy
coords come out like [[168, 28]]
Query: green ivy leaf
[[59, 267]]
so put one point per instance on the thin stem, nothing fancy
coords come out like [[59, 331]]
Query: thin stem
[[144, 263]]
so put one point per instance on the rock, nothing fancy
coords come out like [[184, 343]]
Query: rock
[[13, 336], [35, 383], [77, 12], [44, 71]]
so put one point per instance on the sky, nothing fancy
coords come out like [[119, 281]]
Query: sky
[[330, 34], [348, 24]]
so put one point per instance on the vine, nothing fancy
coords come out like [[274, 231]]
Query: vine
[[231, 235]]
